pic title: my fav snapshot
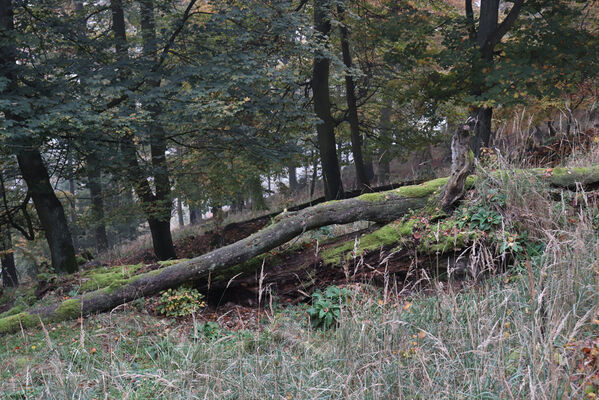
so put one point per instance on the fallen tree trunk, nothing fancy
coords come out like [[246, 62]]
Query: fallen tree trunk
[[225, 261]]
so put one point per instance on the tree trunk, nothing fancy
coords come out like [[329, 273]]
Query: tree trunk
[[256, 193], [162, 198], [162, 239], [180, 213], [7, 259], [462, 162], [482, 132], [490, 33], [350, 95], [384, 157], [369, 167], [94, 183], [293, 185], [157, 207], [314, 177], [194, 215], [49, 211], [489, 17], [73, 204], [333, 185]]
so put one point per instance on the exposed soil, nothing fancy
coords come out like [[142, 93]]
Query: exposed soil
[[293, 275]]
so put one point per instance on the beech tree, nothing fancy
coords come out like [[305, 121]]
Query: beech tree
[[24, 115], [333, 186]]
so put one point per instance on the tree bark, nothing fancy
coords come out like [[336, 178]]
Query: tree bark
[[256, 193], [462, 162], [379, 207], [314, 176], [94, 183], [180, 213], [73, 203], [194, 215], [489, 34], [489, 17], [157, 207], [352, 108], [384, 157], [293, 185], [333, 186], [49, 210], [162, 203], [7, 259]]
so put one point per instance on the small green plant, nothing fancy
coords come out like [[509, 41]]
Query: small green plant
[[495, 196], [326, 308], [512, 243], [210, 330], [180, 302], [485, 219]]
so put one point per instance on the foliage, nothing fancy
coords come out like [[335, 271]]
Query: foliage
[[210, 330], [180, 302], [485, 219], [326, 307]]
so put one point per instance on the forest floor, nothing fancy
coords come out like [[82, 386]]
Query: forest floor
[[498, 300]]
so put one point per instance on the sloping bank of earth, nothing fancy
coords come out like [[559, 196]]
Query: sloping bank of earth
[[409, 242]]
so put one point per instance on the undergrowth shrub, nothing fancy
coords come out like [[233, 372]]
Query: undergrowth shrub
[[180, 302]]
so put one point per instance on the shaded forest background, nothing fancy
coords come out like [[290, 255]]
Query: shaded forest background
[[128, 118]]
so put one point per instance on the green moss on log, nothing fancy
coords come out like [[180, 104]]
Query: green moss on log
[[413, 191], [388, 235], [567, 177], [448, 243], [13, 311], [68, 309], [15, 322], [115, 276], [168, 263]]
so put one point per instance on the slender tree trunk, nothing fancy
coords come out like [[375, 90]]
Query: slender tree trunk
[[256, 192], [293, 185], [369, 165], [489, 34], [162, 198], [49, 211], [384, 157], [180, 213], [7, 258], [333, 185], [94, 183], [314, 176], [157, 207], [350, 95], [194, 215], [73, 204]]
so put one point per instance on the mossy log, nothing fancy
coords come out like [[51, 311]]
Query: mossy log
[[225, 262]]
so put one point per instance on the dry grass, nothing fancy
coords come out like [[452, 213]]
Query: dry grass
[[505, 337]]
